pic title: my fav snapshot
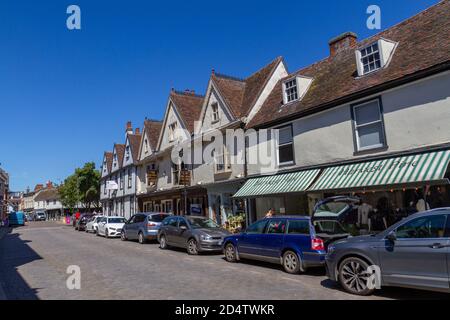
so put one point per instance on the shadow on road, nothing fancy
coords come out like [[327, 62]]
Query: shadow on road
[[15, 252]]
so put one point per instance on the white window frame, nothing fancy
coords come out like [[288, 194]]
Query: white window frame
[[127, 153], [172, 129], [215, 117], [379, 121], [130, 178], [145, 145], [285, 144], [287, 97], [222, 158]]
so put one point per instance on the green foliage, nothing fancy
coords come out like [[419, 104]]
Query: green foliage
[[81, 187]]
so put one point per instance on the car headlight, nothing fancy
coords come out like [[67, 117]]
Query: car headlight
[[205, 237]]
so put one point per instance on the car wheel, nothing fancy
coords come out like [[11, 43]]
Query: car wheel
[[96, 231], [192, 247], [163, 242], [106, 234], [230, 253], [97, 234], [291, 262], [353, 276], [141, 238], [123, 237]]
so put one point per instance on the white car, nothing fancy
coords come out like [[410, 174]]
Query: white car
[[92, 224], [110, 226]]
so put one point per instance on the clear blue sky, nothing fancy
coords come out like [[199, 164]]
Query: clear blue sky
[[65, 96]]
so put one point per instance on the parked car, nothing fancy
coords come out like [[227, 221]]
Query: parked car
[[412, 253], [81, 223], [92, 224], [110, 226], [40, 216], [194, 233], [295, 242], [143, 227]]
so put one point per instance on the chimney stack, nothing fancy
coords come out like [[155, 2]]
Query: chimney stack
[[129, 129], [49, 185], [342, 42], [137, 131]]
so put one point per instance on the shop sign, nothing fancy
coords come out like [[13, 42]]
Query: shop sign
[[398, 164]]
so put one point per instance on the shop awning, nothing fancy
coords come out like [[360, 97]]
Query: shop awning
[[277, 184], [425, 167]]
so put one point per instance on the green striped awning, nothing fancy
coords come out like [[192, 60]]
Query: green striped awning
[[424, 167], [277, 184]]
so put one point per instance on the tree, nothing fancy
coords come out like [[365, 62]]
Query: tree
[[89, 185], [68, 192]]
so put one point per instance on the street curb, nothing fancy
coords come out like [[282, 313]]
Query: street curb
[[3, 232]]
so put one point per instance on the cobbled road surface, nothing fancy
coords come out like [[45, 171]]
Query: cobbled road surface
[[34, 261]]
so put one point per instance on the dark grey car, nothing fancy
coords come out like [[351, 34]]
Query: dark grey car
[[194, 233], [414, 253]]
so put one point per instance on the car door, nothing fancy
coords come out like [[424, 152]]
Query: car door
[[170, 230], [418, 255], [272, 239], [250, 241], [130, 227], [101, 225], [182, 232]]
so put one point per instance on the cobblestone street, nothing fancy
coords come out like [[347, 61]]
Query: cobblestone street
[[34, 259]]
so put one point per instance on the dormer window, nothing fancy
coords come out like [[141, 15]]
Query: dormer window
[[296, 88], [215, 112], [115, 160], [127, 152], [290, 90], [370, 58], [145, 146], [172, 130], [375, 56]]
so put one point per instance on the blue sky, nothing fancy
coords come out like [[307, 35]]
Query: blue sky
[[65, 96]]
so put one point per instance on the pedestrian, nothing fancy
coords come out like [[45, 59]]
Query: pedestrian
[[270, 213]]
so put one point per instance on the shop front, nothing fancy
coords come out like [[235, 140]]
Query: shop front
[[389, 189], [179, 201], [284, 193]]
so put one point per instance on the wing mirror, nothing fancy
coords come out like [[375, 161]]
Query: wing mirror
[[183, 228], [391, 236]]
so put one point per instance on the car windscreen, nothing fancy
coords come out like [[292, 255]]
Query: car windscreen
[[328, 227], [157, 217], [331, 209], [116, 220], [197, 223]]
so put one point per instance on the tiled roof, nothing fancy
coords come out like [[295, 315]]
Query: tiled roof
[[189, 106], [152, 129], [241, 94], [423, 43], [109, 160], [47, 194], [135, 140], [120, 149]]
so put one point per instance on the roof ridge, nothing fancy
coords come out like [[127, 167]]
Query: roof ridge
[[279, 58], [187, 94], [225, 76]]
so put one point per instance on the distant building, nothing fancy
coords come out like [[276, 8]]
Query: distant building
[[4, 186], [48, 200]]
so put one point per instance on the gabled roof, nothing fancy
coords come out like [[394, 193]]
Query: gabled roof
[[47, 194], [120, 150], [135, 140], [189, 106], [423, 43], [109, 159], [153, 129], [241, 94]]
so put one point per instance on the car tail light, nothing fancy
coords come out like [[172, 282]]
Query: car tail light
[[151, 224], [317, 244]]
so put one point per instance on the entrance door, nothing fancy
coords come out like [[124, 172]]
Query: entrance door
[[418, 256]]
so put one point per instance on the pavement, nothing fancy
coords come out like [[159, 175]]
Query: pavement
[[34, 261]]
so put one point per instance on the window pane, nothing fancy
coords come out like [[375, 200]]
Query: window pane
[[284, 135], [371, 135], [366, 113], [276, 226], [298, 227], [257, 227], [423, 228], [285, 153]]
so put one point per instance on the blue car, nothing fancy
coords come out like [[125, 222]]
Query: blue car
[[295, 242]]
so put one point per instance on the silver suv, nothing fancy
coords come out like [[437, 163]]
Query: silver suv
[[414, 253]]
